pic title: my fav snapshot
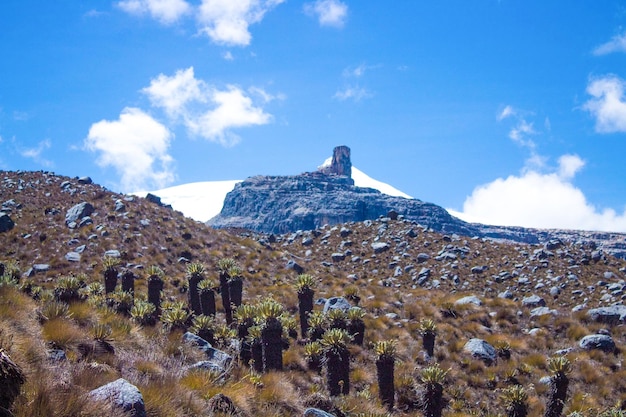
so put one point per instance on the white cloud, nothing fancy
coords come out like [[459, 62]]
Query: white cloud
[[174, 93], [165, 11], [607, 104], [226, 22], [233, 109], [353, 93], [206, 110], [36, 153], [541, 200], [616, 44], [328, 12], [507, 111], [136, 146], [228, 56]]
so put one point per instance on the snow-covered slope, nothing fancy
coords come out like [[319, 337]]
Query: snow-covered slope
[[204, 200]]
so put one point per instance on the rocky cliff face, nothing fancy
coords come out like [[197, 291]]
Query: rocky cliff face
[[284, 204]]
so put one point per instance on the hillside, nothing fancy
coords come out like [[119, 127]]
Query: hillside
[[528, 302]]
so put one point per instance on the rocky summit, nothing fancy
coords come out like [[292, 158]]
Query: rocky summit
[[282, 204], [328, 196]]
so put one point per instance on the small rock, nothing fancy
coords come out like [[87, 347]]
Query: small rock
[[113, 253], [337, 257], [122, 394], [533, 301], [6, 223], [72, 257], [601, 342], [380, 247], [78, 212], [470, 299], [291, 264], [336, 303], [315, 412], [481, 350]]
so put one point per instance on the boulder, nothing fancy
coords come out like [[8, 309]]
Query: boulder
[[6, 223], [123, 395], [533, 301], [291, 264], [609, 315], [315, 412], [380, 247], [77, 212], [480, 349], [215, 356], [336, 303], [470, 299], [601, 342]]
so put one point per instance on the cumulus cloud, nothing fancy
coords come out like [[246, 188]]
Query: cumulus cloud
[[36, 153], [541, 200], [616, 44], [226, 22], [136, 146], [165, 11], [607, 104], [328, 12], [205, 110]]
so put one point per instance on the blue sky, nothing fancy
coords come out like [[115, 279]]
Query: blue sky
[[507, 112]]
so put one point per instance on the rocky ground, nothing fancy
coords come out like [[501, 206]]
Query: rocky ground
[[503, 311]]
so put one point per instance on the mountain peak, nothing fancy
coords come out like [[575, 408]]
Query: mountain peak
[[340, 163]]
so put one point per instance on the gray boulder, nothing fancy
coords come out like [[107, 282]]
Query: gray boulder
[[533, 301], [215, 356], [480, 349], [314, 412], [542, 311], [380, 247], [470, 299], [336, 303], [601, 342], [609, 315], [291, 264], [123, 395], [6, 223], [77, 212]]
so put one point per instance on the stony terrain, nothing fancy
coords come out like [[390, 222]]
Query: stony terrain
[[502, 311]]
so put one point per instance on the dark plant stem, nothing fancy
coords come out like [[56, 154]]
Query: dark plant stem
[[338, 371], [385, 375], [305, 306]]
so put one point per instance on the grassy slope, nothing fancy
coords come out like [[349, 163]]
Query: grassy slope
[[154, 359]]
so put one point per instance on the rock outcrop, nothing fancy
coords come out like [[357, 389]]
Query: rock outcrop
[[285, 204]]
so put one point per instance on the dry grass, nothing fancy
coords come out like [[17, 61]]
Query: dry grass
[[155, 359]]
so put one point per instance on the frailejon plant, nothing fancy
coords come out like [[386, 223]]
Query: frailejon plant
[[305, 286], [143, 313], [11, 380], [122, 302], [204, 326], [337, 358], [269, 312], [256, 347], [560, 367], [428, 330], [67, 289], [110, 273], [432, 402], [206, 289], [128, 282], [155, 286], [314, 353], [195, 274], [385, 362], [235, 285], [516, 400], [317, 325], [223, 266], [356, 325], [245, 315], [290, 326], [337, 319], [175, 318], [52, 310]]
